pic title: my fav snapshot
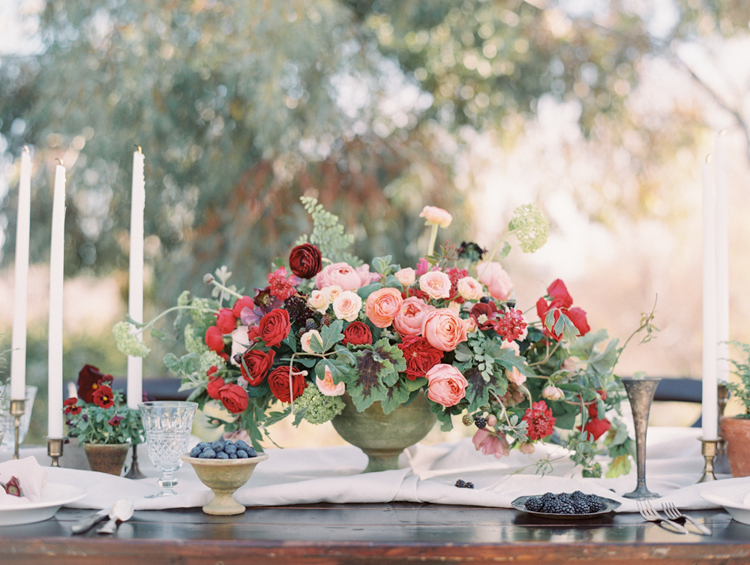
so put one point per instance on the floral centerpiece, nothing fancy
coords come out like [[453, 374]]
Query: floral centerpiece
[[326, 325]]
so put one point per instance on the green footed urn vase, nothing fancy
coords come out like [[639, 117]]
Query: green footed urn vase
[[383, 437]]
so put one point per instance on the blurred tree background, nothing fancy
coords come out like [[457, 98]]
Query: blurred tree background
[[373, 106]]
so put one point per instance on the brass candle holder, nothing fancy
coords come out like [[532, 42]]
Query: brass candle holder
[[55, 449], [134, 472], [708, 450], [17, 409]]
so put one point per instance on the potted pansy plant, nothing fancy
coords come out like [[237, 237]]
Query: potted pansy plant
[[101, 422], [330, 338]]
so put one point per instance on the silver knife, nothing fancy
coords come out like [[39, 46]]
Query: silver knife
[[87, 523]]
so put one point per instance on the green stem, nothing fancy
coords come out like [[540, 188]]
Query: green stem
[[220, 286], [433, 238], [172, 309], [492, 253]]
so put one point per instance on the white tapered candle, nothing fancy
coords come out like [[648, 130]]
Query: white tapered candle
[[710, 393], [722, 259], [135, 291], [56, 272]]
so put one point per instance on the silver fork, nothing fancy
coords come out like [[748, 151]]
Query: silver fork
[[648, 512], [674, 513]]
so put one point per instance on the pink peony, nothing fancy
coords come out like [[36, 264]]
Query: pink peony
[[497, 281], [491, 443], [436, 284], [437, 216], [408, 321], [443, 328], [365, 276], [340, 274], [446, 385]]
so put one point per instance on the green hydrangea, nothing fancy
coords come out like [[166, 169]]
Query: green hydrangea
[[204, 316], [194, 342], [127, 342], [530, 227], [184, 298], [318, 407], [209, 359]]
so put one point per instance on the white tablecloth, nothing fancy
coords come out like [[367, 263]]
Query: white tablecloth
[[428, 474]]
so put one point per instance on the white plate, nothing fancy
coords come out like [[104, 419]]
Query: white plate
[[732, 498], [54, 495]]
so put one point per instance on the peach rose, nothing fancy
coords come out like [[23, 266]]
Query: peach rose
[[347, 306], [406, 276], [470, 288], [515, 376], [471, 325], [511, 345], [327, 387], [497, 281], [408, 321], [304, 341], [444, 329], [437, 216], [490, 443], [317, 301], [383, 306], [446, 385], [436, 284], [331, 292], [341, 274]]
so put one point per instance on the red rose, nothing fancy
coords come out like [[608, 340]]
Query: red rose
[[226, 321], [103, 397], [258, 364], [244, 302], [274, 327], [215, 339], [357, 333], [234, 398], [215, 383], [305, 261], [420, 356], [278, 380], [71, 406], [88, 382]]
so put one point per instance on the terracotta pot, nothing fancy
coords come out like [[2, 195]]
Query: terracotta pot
[[736, 432], [106, 457], [383, 437]]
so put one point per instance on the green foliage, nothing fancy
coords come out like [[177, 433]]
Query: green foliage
[[328, 234], [315, 407], [94, 424], [377, 367], [741, 390]]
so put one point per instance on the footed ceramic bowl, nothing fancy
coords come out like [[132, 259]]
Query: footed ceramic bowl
[[224, 477]]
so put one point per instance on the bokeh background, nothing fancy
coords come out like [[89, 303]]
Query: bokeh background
[[599, 111]]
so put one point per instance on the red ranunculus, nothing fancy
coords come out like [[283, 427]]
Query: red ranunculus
[[278, 380], [305, 261], [103, 397], [234, 398], [215, 339], [215, 383], [244, 302], [597, 427], [578, 317], [88, 382], [559, 292], [357, 333], [71, 406], [539, 420], [258, 364], [420, 356], [274, 327], [226, 321], [561, 302]]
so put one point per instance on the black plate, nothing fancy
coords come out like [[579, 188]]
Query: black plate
[[610, 505]]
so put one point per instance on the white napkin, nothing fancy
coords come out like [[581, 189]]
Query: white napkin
[[31, 476]]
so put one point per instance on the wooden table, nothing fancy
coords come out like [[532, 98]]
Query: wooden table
[[393, 534]]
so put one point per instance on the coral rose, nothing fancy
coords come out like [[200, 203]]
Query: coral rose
[[491, 443], [408, 321], [497, 281], [436, 284], [383, 306], [443, 328], [327, 387], [279, 379], [406, 276], [515, 376], [347, 306], [341, 274], [446, 385], [305, 261], [470, 288], [317, 301], [234, 398], [437, 216]]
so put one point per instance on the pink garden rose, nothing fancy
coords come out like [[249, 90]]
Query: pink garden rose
[[437, 216], [365, 276], [470, 288], [446, 385], [491, 443], [436, 284], [497, 281], [406, 276], [443, 328], [515, 376], [340, 274], [408, 321], [327, 387], [347, 306], [304, 341], [383, 306]]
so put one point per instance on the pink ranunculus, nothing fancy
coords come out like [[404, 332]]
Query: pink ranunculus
[[446, 384], [365, 276], [497, 281], [437, 216], [436, 284], [340, 274], [491, 443], [383, 306], [443, 328], [406, 276], [408, 321], [327, 387]]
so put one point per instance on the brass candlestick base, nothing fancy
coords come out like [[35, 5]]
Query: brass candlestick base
[[708, 450], [134, 472], [55, 449], [17, 409]]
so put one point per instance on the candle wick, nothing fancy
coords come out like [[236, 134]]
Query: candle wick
[[59, 161], [139, 150], [26, 148]]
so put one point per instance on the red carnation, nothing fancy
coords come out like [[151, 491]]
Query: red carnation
[[215, 383], [71, 406], [88, 382], [273, 328], [278, 380], [226, 321], [357, 333], [305, 261], [255, 365], [539, 420], [103, 397], [244, 302], [234, 398], [420, 356], [215, 339]]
